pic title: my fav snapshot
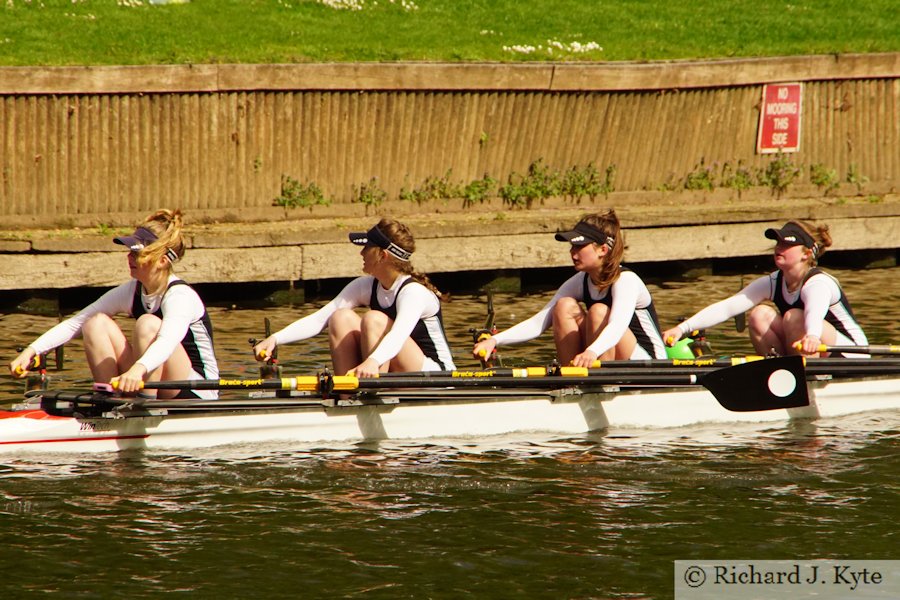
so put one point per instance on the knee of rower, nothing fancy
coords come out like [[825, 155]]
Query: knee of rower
[[794, 324], [147, 327], [793, 316], [375, 319], [96, 324], [761, 317], [342, 320], [565, 308]]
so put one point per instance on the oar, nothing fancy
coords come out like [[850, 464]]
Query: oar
[[485, 332], [350, 383], [855, 349], [665, 365], [106, 399], [758, 385]]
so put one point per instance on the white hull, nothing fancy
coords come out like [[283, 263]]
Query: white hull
[[439, 416]]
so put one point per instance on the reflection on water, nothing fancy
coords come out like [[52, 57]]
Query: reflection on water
[[544, 516], [573, 517]]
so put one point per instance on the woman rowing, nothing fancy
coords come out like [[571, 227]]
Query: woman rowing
[[812, 309], [404, 329], [172, 338], [618, 319]]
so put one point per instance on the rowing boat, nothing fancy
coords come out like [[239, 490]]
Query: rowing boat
[[476, 406]]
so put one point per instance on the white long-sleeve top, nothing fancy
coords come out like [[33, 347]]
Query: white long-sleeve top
[[820, 294], [629, 294], [181, 307], [415, 303]]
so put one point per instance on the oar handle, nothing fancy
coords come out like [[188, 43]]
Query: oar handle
[[677, 362], [37, 362], [886, 349]]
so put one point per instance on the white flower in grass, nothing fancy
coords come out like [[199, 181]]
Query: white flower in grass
[[574, 47], [343, 4], [520, 49]]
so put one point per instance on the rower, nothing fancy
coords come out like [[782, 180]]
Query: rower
[[617, 319], [812, 309], [172, 333], [404, 329]]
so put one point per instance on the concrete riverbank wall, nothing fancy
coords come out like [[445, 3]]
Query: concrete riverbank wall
[[86, 152], [677, 229]]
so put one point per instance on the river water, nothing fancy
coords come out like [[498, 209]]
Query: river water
[[539, 516]]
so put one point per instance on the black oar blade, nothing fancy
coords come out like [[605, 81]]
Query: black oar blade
[[760, 385]]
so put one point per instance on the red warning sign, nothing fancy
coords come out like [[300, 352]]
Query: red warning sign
[[779, 118]]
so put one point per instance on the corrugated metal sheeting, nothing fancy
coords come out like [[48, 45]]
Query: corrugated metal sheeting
[[75, 154]]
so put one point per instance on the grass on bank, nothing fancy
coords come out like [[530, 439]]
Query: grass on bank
[[96, 32]]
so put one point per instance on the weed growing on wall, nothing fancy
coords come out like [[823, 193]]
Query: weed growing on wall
[[369, 194], [478, 191], [539, 182], [737, 177], [579, 182], [702, 177], [433, 188], [856, 178], [824, 178], [778, 174], [300, 195]]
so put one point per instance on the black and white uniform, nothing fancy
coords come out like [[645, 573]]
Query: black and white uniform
[[821, 293], [197, 341], [415, 310], [820, 297], [630, 308], [184, 321]]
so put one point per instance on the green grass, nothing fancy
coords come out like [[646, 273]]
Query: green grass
[[77, 32]]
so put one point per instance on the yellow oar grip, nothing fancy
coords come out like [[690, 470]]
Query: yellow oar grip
[[34, 363], [820, 348], [482, 353], [529, 372], [115, 385], [346, 382], [309, 383], [573, 371]]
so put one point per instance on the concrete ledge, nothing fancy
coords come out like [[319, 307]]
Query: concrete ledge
[[613, 76], [312, 249], [14, 246], [108, 269]]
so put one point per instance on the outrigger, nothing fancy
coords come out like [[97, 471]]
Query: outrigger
[[456, 404]]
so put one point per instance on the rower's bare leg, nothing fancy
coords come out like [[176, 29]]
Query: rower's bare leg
[[766, 331], [794, 325], [177, 366], [375, 325], [106, 348], [829, 337], [410, 358], [344, 340], [598, 318], [625, 348], [568, 319]]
